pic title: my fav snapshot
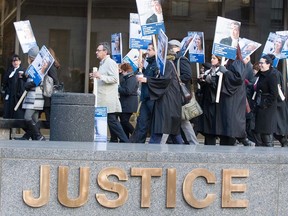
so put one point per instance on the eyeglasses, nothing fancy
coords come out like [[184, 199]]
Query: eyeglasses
[[15, 60], [99, 50], [262, 63]]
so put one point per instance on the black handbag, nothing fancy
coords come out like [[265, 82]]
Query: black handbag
[[185, 93]]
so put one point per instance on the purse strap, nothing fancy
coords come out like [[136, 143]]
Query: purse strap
[[176, 71]]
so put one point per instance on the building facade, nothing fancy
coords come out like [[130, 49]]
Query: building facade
[[73, 28]]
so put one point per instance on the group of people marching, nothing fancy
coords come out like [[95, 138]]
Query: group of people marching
[[251, 107], [247, 112]]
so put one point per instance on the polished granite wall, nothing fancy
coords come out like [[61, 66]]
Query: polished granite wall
[[266, 185]]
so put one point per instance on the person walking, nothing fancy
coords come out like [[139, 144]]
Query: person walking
[[107, 92], [145, 114], [128, 97], [164, 89], [33, 102], [186, 78], [266, 102]]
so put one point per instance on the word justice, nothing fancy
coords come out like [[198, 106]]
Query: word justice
[[146, 174]]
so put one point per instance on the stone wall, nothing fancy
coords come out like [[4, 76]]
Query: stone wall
[[261, 181]]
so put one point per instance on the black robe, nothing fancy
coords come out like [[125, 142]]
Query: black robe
[[165, 90], [14, 87], [232, 120], [281, 113]]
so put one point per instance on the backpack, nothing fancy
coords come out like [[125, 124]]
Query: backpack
[[47, 86]]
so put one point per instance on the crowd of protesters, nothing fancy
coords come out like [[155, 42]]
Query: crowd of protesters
[[251, 108]]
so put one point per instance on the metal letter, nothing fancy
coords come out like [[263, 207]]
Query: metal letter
[[188, 187], [44, 193], [107, 185], [228, 188], [171, 188], [63, 187], [146, 174]]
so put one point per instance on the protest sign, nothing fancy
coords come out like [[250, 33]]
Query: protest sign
[[25, 35], [100, 124], [132, 58], [116, 47], [247, 47], [197, 47], [274, 45], [136, 39], [285, 46], [151, 16], [226, 38], [40, 66], [162, 51]]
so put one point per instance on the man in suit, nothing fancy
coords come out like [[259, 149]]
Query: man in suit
[[157, 15], [232, 40]]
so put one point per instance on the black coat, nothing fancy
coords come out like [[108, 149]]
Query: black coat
[[165, 90], [207, 121], [265, 113], [128, 93], [232, 120], [281, 113], [185, 70], [14, 88]]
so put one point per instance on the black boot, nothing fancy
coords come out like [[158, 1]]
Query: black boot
[[284, 141], [267, 140], [36, 135]]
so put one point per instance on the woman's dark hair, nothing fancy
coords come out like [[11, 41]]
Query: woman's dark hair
[[269, 58]]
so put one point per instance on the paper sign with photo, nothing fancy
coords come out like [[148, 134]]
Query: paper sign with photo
[[25, 35], [136, 39], [100, 124], [274, 45], [40, 66], [185, 44], [151, 16], [132, 58], [116, 47], [248, 47], [162, 51], [226, 38], [197, 48], [285, 46]]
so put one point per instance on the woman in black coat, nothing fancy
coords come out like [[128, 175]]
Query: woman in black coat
[[266, 102], [128, 97], [13, 85]]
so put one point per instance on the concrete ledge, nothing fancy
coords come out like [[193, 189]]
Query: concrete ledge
[[266, 184]]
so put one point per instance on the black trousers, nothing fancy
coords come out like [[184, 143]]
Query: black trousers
[[116, 128], [126, 125]]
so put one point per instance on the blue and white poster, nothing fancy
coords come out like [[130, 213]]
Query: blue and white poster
[[197, 47], [226, 38], [285, 45], [132, 58], [247, 47], [100, 124], [136, 39], [151, 16], [274, 45], [40, 65], [162, 51], [116, 47]]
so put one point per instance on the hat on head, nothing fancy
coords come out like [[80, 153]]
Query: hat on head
[[33, 52], [175, 43]]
